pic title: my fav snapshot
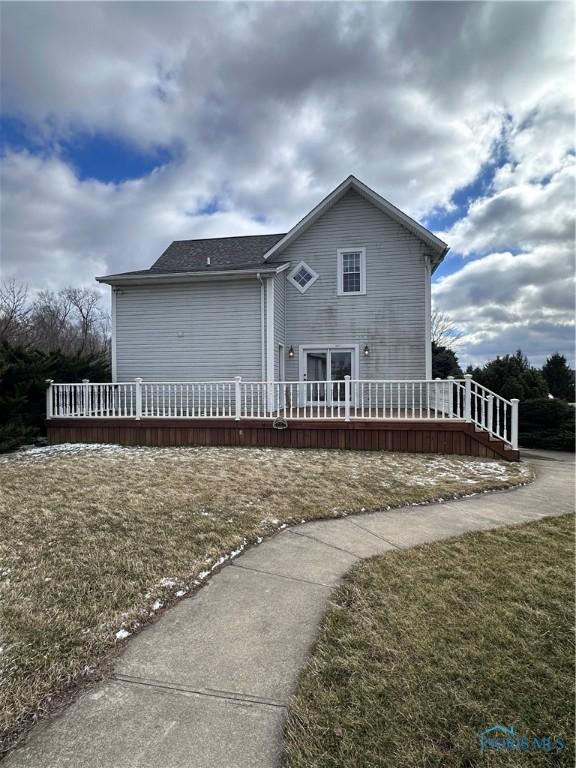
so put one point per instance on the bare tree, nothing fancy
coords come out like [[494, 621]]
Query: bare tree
[[86, 304], [51, 322], [70, 320], [445, 332], [14, 311]]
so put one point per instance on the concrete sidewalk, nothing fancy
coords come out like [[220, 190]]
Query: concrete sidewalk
[[208, 684]]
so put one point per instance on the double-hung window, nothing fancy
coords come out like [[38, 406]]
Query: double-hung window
[[351, 271]]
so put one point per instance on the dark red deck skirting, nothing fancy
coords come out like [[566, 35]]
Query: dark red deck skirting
[[409, 437]]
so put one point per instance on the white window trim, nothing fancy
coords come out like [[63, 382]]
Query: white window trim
[[354, 348], [362, 252], [304, 348], [302, 288]]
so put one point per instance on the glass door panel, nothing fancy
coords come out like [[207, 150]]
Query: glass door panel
[[340, 366], [316, 371]]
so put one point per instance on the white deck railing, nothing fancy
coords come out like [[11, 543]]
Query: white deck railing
[[348, 399]]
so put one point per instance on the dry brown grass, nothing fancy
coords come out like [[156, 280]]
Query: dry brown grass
[[425, 648], [93, 540]]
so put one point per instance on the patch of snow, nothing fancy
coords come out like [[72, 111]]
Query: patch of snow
[[169, 583], [156, 605], [122, 634], [181, 593]]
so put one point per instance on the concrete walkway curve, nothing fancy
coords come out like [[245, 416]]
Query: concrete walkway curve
[[208, 684]]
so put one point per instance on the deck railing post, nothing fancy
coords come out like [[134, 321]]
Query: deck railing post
[[49, 399], [138, 398], [346, 398], [468, 397], [490, 414], [514, 423], [85, 395], [451, 397], [237, 398]]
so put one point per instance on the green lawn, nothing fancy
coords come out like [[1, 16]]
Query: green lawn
[[95, 541], [425, 648]]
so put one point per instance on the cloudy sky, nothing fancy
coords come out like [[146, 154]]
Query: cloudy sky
[[128, 125]]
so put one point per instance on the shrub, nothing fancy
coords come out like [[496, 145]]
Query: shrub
[[23, 375], [545, 423]]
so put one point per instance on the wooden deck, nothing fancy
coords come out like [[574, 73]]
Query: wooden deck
[[409, 436]]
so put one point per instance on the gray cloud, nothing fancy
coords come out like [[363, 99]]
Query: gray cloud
[[269, 106]]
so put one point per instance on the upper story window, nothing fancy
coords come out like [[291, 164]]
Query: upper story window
[[302, 276], [351, 271]]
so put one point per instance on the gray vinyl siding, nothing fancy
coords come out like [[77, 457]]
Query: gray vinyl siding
[[390, 317], [279, 319], [219, 323]]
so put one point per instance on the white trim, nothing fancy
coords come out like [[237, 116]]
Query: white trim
[[319, 347], [262, 330], [281, 362], [438, 246], [362, 252], [427, 318], [304, 348], [171, 277], [302, 288], [270, 330], [113, 342]]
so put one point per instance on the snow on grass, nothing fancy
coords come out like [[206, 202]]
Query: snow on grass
[[98, 539]]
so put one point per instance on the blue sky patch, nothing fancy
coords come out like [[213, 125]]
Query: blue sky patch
[[210, 207], [441, 219], [16, 134], [110, 159], [99, 156]]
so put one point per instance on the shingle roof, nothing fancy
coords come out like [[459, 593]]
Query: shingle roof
[[224, 253]]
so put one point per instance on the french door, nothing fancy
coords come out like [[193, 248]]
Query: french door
[[326, 368]]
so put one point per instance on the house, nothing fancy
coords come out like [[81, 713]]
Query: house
[[317, 337], [345, 292]]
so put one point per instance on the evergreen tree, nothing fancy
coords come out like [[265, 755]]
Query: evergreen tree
[[559, 377], [444, 363], [512, 376], [23, 375]]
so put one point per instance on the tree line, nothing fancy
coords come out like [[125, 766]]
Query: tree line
[[546, 394], [61, 335], [509, 376], [71, 321]]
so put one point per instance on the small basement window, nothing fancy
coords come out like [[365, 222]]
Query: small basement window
[[302, 277], [351, 271]]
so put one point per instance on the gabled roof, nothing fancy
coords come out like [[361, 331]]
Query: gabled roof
[[219, 255], [215, 253], [438, 248], [224, 256]]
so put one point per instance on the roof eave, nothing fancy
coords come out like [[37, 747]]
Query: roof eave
[[175, 277]]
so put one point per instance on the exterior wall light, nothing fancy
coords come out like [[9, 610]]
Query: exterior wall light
[[291, 351], [366, 351]]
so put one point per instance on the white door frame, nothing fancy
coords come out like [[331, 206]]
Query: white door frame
[[281, 363], [304, 348]]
